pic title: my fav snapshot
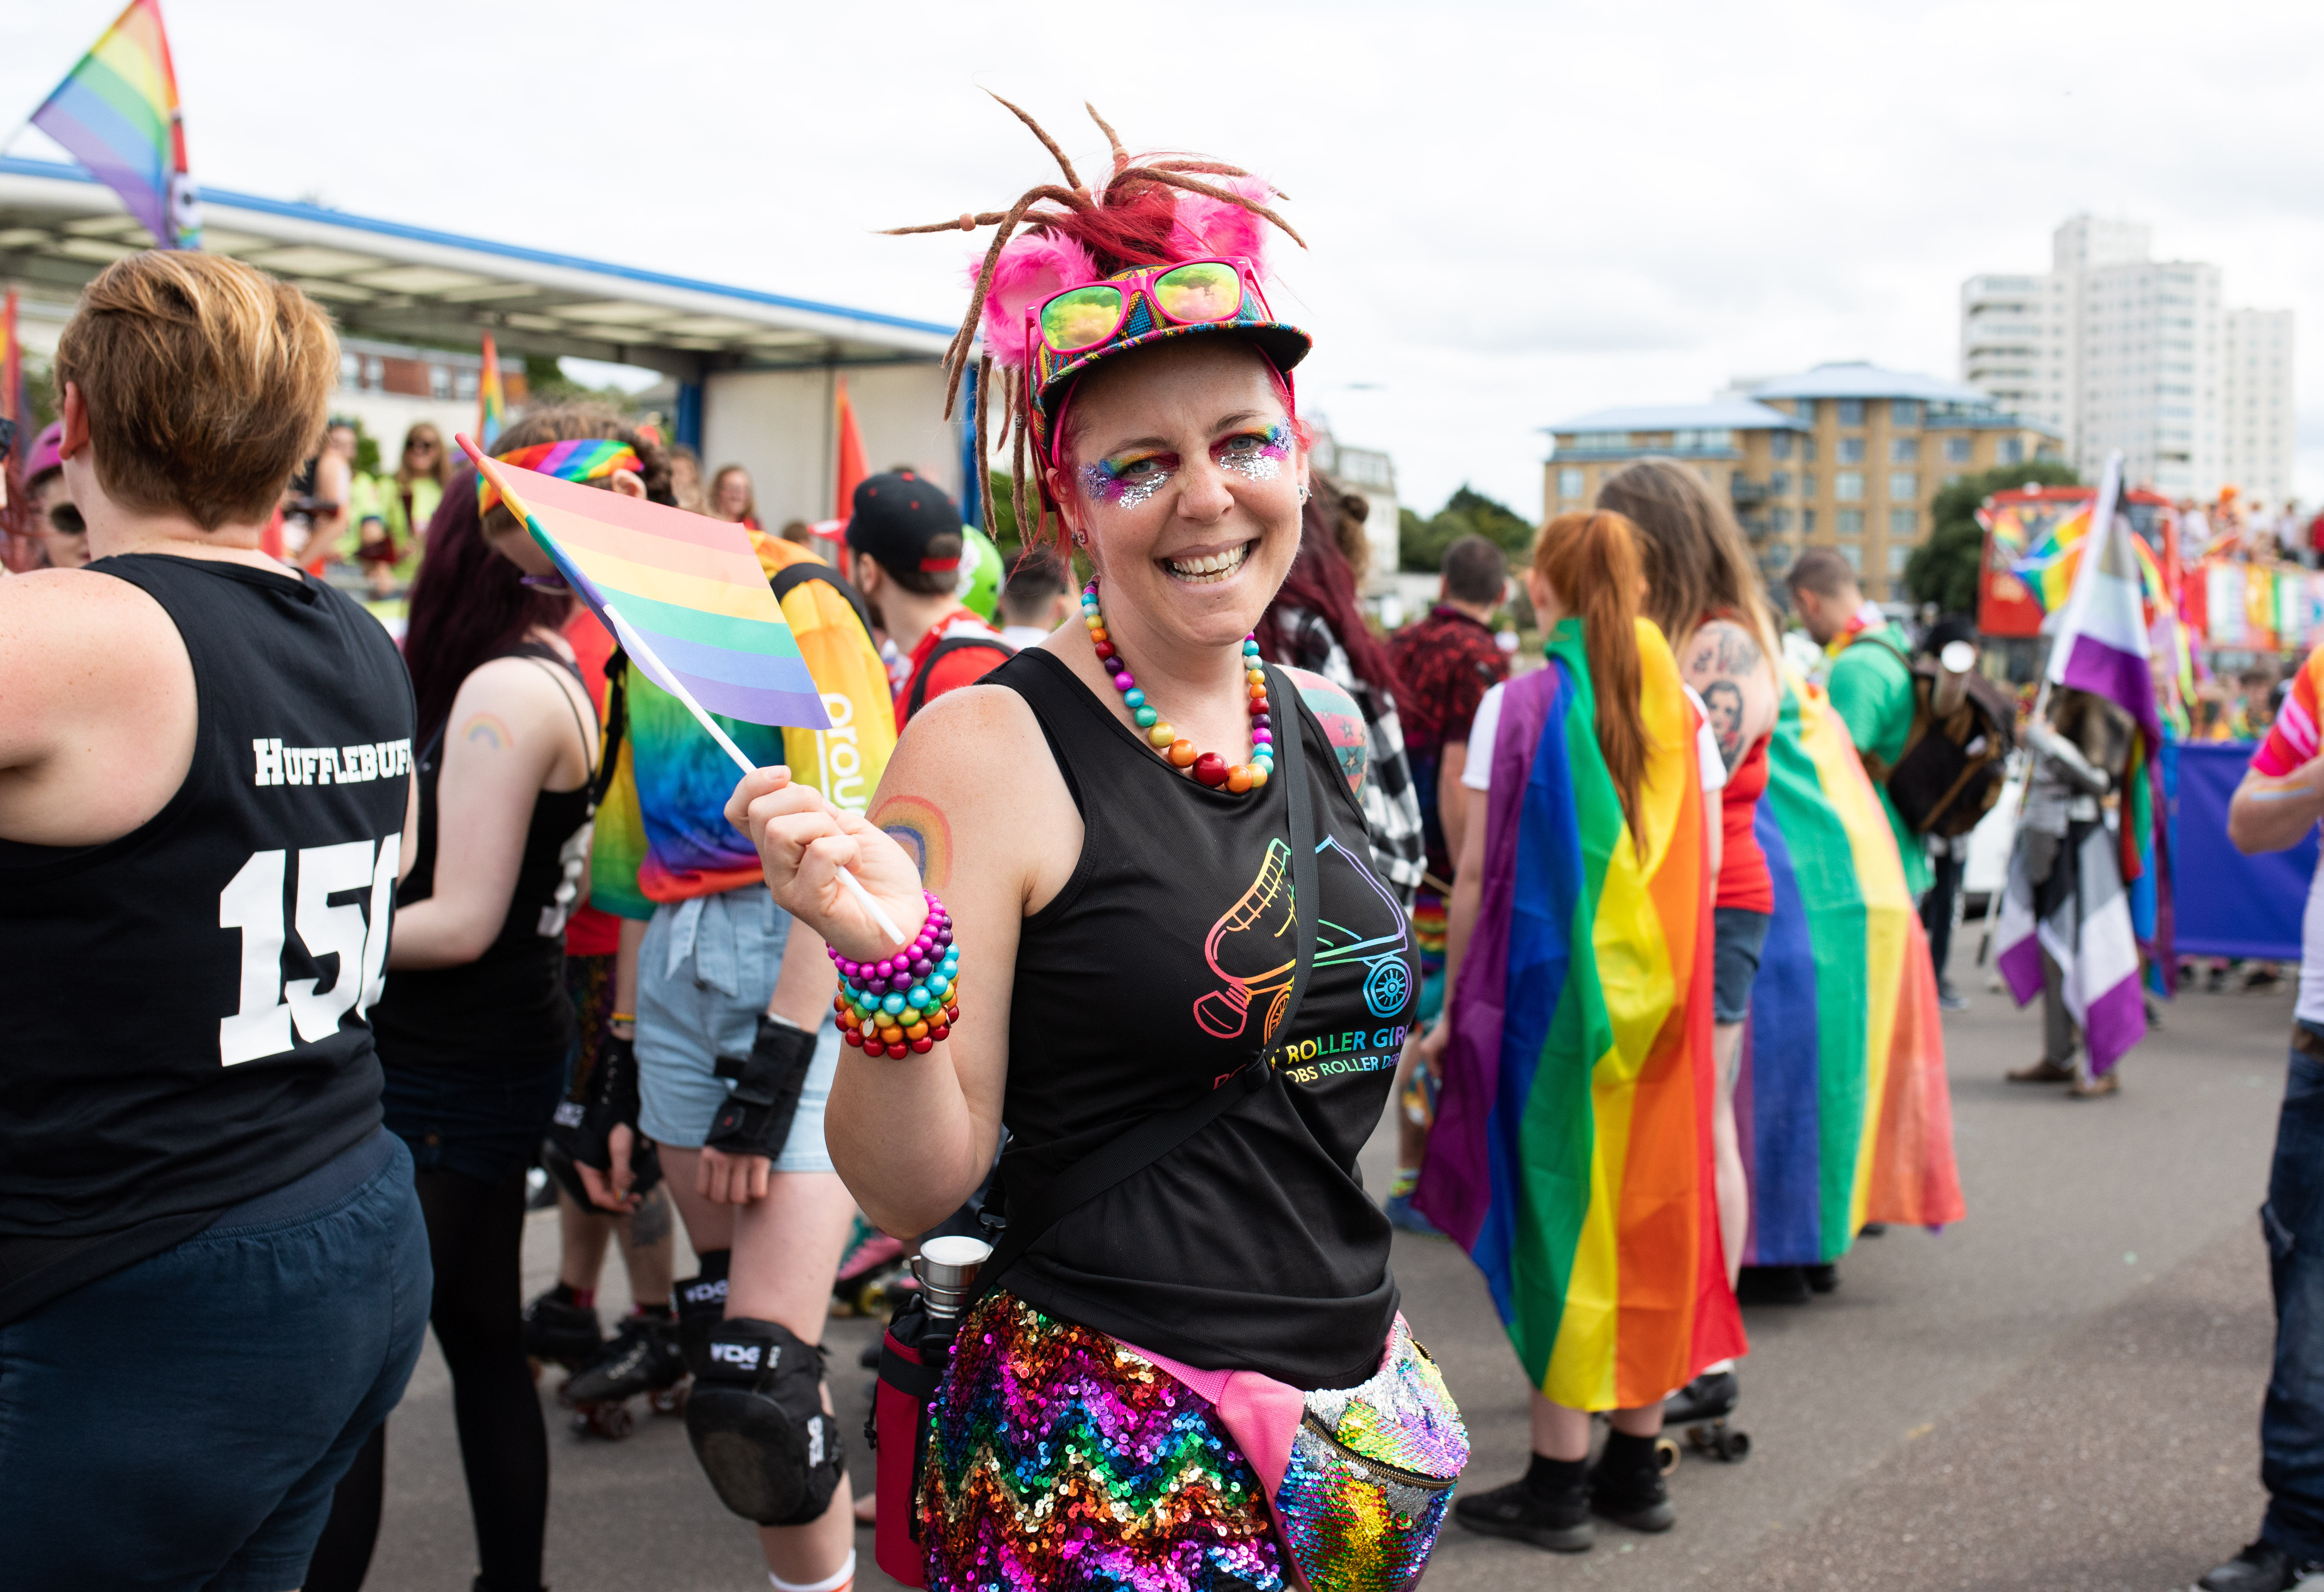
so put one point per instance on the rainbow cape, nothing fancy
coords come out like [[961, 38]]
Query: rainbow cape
[[1571, 1152], [116, 112], [1842, 1105]]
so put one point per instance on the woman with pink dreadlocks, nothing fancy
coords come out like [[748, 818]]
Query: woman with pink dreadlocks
[[1184, 1365]]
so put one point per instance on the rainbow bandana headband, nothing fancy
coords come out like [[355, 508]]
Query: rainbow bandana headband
[[587, 458]]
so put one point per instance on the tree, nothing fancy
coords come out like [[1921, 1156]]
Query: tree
[[1943, 570], [1421, 542]]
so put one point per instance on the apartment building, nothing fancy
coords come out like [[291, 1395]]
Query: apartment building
[[1846, 456], [2114, 349]]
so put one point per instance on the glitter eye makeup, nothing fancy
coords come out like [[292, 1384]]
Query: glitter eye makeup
[[1264, 460], [1108, 481]]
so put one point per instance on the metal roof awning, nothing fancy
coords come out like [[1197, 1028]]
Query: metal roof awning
[[59, 227]]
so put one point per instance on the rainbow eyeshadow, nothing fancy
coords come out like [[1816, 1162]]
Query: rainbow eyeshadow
[[1107, 481], [1265, 462]]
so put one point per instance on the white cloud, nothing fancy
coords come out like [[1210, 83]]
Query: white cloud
[[1518, 212]]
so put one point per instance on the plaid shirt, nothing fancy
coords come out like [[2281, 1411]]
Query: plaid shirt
[[1391, 806]]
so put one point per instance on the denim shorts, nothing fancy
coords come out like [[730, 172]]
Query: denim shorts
[[1739, 934], [180, 1423], [706, 973]]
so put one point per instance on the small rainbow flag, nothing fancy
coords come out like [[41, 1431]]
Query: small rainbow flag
[[489, 400], [1571, 1152], [117, 114], [690, 585], [12, 371], [2047, 567], [1842, 1110]]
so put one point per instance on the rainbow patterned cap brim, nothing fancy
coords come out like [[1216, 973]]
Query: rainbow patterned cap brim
[[1049, 377]]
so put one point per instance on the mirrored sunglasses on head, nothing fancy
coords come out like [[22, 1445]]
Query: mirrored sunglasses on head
[[1199, 292]]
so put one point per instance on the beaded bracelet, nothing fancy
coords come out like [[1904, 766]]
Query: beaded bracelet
[[904, 1003]]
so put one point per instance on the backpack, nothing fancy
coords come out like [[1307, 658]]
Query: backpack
[[1952, 770], [916, 691]]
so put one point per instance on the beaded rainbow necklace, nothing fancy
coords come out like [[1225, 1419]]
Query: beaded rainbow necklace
[[1207, 766]]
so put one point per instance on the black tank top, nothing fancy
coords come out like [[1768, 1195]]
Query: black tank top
[[509, 1006], [186, 1016], [1253, 1245]]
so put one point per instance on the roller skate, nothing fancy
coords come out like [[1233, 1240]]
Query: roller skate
[[871, 1273], [1702, 1407], [558, 1330], [643, 1358]]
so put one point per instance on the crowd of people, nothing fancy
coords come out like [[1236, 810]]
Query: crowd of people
[[1232, 875]]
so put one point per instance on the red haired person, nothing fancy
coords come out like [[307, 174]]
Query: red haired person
[[1143, 849]]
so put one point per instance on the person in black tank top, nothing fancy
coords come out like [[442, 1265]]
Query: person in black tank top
[[208, 1246], [475, 1029], [1103, 820]]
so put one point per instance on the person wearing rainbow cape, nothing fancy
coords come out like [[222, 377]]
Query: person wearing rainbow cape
[[1573, 1151], [1159, 883]]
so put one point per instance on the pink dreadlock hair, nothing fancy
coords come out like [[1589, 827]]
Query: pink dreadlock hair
[[1154, 211]]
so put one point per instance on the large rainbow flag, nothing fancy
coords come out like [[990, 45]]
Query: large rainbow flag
[[690, 585], [1571, 1152], [1843, 1106], [490, 402], [2047, 567], [116, 113]]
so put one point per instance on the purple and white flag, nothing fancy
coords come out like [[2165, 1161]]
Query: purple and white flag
[[2101, 645]]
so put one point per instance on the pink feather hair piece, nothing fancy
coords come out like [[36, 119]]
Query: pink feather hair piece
[[1032, 267], [1037, 263]]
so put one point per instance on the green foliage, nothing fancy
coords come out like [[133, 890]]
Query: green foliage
[[1943, 570], [545, 381], [1421, 542]]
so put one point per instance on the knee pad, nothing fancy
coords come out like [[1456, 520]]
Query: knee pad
[[759, 1428], [701, 1305]]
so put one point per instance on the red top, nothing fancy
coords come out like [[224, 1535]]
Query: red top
[[1743, 878], [591, 932], [977, 650]]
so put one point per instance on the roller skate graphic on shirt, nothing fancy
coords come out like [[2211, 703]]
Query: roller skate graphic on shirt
[[1254, 946]]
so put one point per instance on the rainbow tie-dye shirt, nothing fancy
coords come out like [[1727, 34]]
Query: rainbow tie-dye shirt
[[662, 834]]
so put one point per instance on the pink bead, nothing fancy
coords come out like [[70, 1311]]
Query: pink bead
[[1124, 681], [1261, 737]]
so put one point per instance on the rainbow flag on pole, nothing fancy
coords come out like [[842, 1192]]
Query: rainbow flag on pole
[[117, 114], [12, 371], [489, 399], [1843, 1106], [690, 585], [1571, 1151]]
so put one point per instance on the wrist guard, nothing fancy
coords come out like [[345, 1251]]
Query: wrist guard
[[757, 1116], [613, 1098]]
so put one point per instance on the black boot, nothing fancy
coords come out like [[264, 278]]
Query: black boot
[[2261, 1567], [560, 1330], [1627, 1487], [1710, 1396], [1548, 1506], [1771, 1284]]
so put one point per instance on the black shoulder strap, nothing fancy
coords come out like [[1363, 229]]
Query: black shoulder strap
[[1141, 1145], [916, 696], [791, 577]]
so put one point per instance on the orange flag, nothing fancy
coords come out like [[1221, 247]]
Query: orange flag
[[851, 457]]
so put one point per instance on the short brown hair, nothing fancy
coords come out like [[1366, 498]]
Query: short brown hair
[[206, 382], [1822, 570]]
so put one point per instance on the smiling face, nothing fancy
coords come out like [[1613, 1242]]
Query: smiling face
[[1183, 473]]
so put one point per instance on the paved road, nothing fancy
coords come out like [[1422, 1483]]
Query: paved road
[[2062, 1392]]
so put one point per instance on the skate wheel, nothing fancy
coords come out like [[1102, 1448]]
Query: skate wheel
[[1734, 1445], [610, 1421], [1665, 1455], [1698, 1437]]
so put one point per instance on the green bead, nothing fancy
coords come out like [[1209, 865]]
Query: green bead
[[1147, 718]]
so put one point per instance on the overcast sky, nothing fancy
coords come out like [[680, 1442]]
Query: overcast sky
[[1517, 214]]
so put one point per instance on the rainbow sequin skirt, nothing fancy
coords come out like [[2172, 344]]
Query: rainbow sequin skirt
[[1059, 1461]]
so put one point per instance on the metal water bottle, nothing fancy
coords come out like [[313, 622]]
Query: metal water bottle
[[947, 1268]]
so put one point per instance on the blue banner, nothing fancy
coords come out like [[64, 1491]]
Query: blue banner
[[2228, 904]]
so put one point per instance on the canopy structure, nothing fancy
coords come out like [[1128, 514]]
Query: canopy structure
[[753, 370]]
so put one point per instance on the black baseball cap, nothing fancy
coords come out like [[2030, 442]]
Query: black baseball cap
[[897, 515]]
